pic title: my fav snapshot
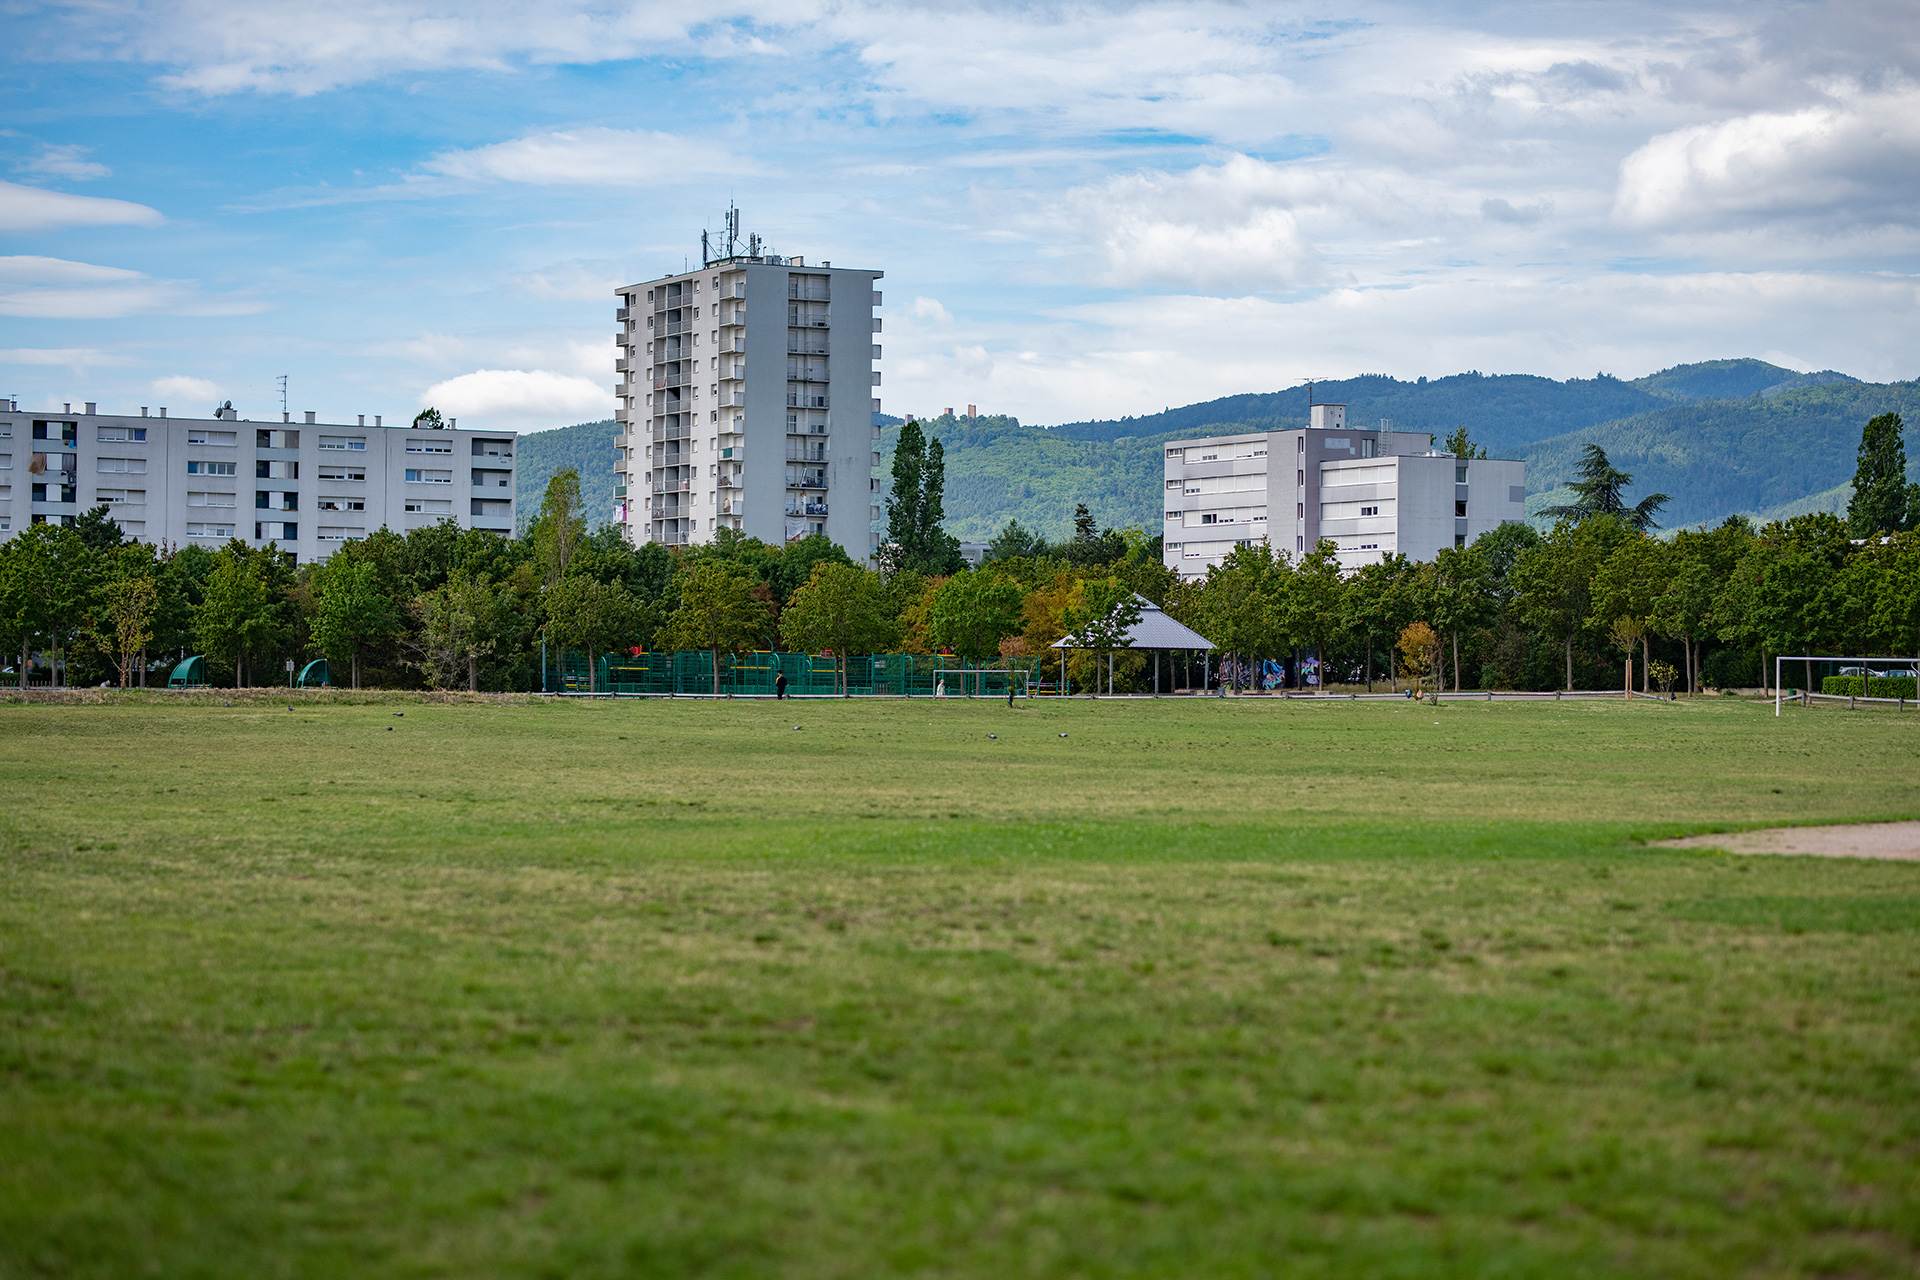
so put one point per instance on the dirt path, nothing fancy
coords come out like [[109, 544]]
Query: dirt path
[[1892, 841]]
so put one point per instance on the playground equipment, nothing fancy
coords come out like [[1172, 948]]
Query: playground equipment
[[190, 674]]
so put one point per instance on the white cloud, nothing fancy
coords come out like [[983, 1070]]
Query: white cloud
[[69, 357], [1230, 226], [596, 157], [24, 208], [68, 162], [530, 398], [182, 389], [55, 288], [1858, 163], [929, 309]]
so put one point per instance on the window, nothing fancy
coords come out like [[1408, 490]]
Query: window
[[121, 435], [217, 439], [343, 504], [353, 443], [1173, 546], [6, 462], [340, 533], [1174, 484], [1460, 509], [1209, 518], [1369, 511], [343, 473], [209, 468], [416, 476], [429, 446], [128, 497], [66, 432], [1367, 448], [1299, 511], [1209, 457], [129, 466], [209, 530], [209, 499], [1459, 475], [1176, 453], [1173, 515], [1301, 479], [266, 470], [1259, 453], [1459, 539], [429, 506]]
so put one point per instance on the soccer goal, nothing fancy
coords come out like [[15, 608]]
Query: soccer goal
[[1850, 680]]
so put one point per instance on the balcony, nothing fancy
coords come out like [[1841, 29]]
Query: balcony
[[620, 364], [807, 346], [733, 318], [733, 506], [664, 381], [806, 402], [806, 375], [620, 313], [812, 480], [672, 486], [667, 328], [806, 508], [732, 482]]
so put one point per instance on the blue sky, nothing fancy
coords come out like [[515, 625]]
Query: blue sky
[[1081, 210]]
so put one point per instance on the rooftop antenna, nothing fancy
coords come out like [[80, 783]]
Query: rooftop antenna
[[733, 229], [283, 396], [706, 253]]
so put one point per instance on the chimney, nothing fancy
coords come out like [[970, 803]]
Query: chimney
[[309, 417], [376, 419], [90, 405], [363, 419], [66, 407], [143, 411], [163, 411], [452, 423], [285, 416]]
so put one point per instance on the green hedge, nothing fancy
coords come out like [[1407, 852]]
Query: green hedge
[[1875, 686]]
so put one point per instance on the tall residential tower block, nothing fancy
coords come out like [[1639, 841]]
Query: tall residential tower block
[[747, 401]]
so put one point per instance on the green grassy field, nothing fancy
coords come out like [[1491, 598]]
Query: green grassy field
[[1204, 988]]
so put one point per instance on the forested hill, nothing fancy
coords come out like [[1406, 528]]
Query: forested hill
[[587, 447], [1721, 436], [1769, 455]]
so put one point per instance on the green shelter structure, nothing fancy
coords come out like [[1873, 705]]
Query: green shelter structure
[[190, 674], [315, 675]]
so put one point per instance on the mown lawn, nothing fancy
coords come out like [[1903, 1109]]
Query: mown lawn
[[1202, 988]]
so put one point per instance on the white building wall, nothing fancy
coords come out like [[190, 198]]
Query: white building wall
[[1371, 492], [154, 496], [755, 355]]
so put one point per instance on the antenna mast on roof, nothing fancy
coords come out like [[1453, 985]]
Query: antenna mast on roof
[[283, 396]]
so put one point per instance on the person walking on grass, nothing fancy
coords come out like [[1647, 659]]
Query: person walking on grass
[[1009, 693], [780, 686]]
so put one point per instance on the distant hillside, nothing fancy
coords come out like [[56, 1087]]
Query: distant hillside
[[1722, 436], [1718, 457], [1730, 380], [1505, 412], [587, 447]]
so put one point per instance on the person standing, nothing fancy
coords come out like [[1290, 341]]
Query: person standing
[[780, 686]]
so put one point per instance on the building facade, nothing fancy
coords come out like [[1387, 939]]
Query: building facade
[[747, 394], [1371, 492], [308, 487]]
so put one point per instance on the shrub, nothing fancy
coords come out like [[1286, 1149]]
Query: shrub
[[1870, 687]]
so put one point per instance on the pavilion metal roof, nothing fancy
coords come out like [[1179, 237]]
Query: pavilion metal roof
[[1155, 630]]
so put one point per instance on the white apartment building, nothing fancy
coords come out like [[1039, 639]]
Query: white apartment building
[[747, 397], [309, 487], [1371, 492]]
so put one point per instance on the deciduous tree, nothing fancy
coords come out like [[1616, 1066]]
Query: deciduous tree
[[840, 607], [716, 611]]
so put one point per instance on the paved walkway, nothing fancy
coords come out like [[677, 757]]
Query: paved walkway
[[1892, 841]]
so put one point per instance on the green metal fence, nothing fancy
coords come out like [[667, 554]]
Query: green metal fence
[[809, 675]]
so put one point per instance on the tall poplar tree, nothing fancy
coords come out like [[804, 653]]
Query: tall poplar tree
[[1883, 501], [916, 508]]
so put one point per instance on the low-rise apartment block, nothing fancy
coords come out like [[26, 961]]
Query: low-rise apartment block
[[1371, 492], [747, 393], [308, 487]]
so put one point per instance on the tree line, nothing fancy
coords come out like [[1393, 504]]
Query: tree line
[[450, 608]]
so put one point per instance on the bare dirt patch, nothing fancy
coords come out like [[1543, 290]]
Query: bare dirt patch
[[1887, 841]]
